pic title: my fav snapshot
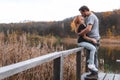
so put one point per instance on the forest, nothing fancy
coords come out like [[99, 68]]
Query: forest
[[109, 26]]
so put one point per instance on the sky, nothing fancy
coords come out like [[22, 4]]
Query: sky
[[12, 11]]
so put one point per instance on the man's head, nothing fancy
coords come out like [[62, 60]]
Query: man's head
[[84, 10]]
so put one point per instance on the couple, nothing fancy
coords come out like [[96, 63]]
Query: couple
[[87, 28]]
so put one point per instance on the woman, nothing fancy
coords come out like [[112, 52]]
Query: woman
[[85, 41]]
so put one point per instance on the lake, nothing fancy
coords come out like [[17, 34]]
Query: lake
[[107, 54]]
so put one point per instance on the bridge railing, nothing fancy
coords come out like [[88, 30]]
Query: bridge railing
[[58, 60]]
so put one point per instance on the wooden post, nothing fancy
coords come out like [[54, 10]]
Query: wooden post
[[61, 67], [58, 68], [78, 65], [87, 57]]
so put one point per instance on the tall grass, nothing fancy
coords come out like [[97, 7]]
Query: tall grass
[[16, 47]]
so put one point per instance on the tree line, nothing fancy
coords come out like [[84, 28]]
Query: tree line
[[109, 26]]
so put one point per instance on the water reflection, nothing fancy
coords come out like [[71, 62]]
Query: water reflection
[[107, 58]]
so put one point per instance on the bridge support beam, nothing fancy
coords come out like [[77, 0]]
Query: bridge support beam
[[78, 65], [58, 68]]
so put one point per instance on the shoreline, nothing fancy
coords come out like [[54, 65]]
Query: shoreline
[[103, 42], [110, 41]]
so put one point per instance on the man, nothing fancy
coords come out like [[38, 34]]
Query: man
[[92, 30]]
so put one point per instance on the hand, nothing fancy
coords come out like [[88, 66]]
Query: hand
[[84, 36], [94, 41], [78, 34]]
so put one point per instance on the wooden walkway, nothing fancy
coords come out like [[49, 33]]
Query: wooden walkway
[[104, 76]]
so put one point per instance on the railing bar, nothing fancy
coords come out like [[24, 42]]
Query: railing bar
[[24, 65], [10, 70], [69, 51]]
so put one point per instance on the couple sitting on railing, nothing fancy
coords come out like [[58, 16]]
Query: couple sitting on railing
[[88, 36]]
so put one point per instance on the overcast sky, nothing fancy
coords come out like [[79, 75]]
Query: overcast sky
[[49, 10]]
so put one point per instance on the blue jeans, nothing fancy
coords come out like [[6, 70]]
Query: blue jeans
[[91, 48]]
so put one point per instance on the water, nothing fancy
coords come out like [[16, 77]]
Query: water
[[107, 58], [107, 54]]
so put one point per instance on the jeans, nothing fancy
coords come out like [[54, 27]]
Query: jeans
[[92, 50]]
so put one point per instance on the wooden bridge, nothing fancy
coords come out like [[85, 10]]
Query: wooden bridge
[[104, 76], [58, 60]]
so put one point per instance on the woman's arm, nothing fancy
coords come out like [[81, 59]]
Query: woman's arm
[[86, 30], [90, 39]]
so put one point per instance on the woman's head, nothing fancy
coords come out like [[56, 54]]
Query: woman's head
[[77, 21]]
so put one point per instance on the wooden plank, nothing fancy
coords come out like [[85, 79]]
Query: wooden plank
[[117, 60], [24, 65], [109, 76], [117, 77], [84, 75], [101, 75]]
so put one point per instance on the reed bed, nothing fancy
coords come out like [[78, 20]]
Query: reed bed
[[19, 47]]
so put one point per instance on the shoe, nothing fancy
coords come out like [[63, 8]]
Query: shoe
[[92, 67], [92, 76]]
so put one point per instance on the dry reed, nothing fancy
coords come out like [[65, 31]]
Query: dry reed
[[15, 48]]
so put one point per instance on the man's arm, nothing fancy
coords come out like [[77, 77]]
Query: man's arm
[[86, 30], [90, 39]]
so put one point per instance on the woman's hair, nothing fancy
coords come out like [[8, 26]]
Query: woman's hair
[[76, 21]]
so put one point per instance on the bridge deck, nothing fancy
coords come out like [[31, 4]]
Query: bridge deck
[[103, 76]]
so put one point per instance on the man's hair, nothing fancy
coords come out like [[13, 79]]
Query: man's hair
[[84, 8]]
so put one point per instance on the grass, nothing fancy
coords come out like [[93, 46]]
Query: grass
[[19, 47]]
